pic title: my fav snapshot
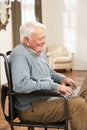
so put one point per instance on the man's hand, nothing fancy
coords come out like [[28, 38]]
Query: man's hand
[[65, 90], [69, 82]]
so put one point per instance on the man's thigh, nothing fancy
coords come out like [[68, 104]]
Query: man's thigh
[[50, 111]]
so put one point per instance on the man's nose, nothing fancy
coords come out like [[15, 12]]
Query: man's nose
[[43, 41]]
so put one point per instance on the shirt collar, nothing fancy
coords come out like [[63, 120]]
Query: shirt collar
[[29, 49]]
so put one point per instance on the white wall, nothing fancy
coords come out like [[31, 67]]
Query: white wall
[[5, 45], [80, 57], [52, 11]]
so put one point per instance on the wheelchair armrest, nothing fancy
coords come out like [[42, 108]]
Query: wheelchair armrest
[[48, 93]]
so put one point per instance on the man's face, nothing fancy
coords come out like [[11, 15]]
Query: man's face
[[37, 40]]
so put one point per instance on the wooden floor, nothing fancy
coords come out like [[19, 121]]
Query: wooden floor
[[78, 76]]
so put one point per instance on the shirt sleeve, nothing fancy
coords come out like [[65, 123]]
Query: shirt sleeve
[[57, 77]]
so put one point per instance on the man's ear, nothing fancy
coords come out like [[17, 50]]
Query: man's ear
[[26, 41]]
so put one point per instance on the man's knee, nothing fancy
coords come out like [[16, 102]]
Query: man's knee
[[84, 95], [76, 104]]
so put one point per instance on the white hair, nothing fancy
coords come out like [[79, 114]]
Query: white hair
[[28, 28]]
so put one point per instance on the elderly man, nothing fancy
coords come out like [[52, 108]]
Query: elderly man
[[31, 71]]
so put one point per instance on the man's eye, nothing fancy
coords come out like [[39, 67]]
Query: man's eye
[[41, 38]]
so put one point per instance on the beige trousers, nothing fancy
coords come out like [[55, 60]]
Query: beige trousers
[[53, 111]]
